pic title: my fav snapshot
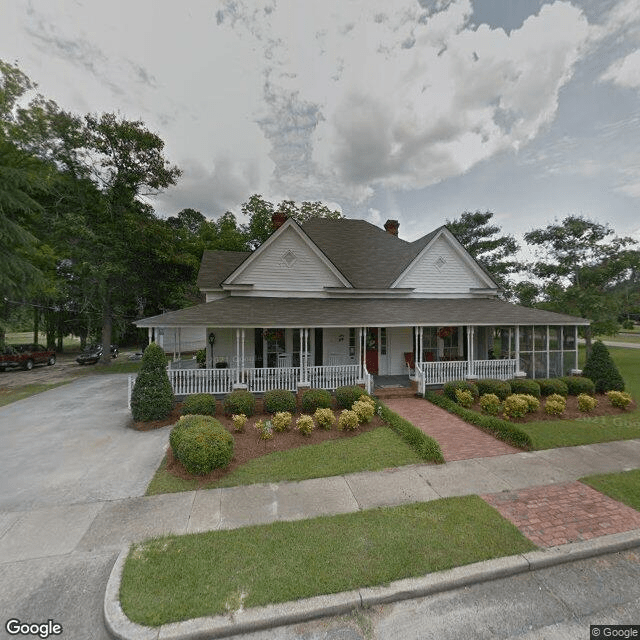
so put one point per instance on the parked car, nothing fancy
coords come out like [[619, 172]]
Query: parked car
[[26, 356], [93, 353]]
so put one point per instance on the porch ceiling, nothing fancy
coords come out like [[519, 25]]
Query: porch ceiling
[[247, 312]]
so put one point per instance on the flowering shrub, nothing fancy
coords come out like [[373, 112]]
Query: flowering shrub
[[364, 410], [239, 420], [515, 406], [464, 398], [325, 418], [281, 421], [449, 388], [265, 429], [490, 404], [586, 403], [348, 420], [619, 399], [304, 424]]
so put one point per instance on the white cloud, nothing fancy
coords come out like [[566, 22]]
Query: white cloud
[[624, 72]]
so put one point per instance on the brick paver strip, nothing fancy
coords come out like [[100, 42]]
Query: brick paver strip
[[558, 514], [457, 439]]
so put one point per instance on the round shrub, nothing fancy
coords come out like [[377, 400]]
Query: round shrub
[[202, 404], [313, 399], [239, 402], [533, 404], [152, 395], [346, 396], [579, 384], [239, 421], [555, 405], [619, 399], [202, 444], [348, 420], [325, 418], [153, 358], [549, 386], [279, 400], [464, 398], [515, 406], [602, 370], [586, 403], [499, 388], [449, 388], [525, 386], [490, 404], [304, 424], [364, 410], [281, 421]]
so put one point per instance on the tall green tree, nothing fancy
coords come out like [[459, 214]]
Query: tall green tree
[[579, 263], [482, 239]]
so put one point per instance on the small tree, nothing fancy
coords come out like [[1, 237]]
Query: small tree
[[152, 395], [601, 369]]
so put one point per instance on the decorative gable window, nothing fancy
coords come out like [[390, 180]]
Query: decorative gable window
[[440, 262], [289, 258]]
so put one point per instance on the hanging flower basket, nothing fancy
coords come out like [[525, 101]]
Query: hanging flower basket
[[273, 335], [445, 332]]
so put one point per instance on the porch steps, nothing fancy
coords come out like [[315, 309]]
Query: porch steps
[[396, 392]]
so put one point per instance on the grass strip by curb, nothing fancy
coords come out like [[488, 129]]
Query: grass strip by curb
[[181, 577], [7, 396], [501, 429], [425, 446], [623, 486]]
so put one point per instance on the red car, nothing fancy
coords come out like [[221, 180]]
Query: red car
[[26, 356]]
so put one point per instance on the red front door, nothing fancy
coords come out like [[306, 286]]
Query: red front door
[[372, 350]]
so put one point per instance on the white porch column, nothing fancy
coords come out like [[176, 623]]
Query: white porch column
[[150, 331], [302, 375], [470, 337], [242, 365], [575, 338], [548, 355], [517, 345], [238, 356], [420, 344]]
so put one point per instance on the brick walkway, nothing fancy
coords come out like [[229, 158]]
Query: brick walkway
[[458, 439], [562, 513]]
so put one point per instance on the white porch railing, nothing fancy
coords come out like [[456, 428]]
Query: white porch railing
[[432, 373], [258, 380]]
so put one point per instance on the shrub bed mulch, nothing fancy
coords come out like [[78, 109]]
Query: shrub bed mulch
[[248, 444]]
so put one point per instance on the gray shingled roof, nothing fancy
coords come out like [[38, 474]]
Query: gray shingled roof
[[237, 311], [216, 266]]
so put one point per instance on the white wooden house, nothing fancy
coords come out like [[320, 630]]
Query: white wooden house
[[335, 302]]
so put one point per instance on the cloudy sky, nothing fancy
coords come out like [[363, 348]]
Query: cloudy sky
[[412, 109]]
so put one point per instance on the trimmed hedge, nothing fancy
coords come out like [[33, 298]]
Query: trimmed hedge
[[501, 429], [153, 358], [202, 404], [201, 444], [449, 389], [499, 388], [279, 400], [238, 402], [579, 384], [427, 448], [525, 386], [346, 396], [551, 386], [314, 399]]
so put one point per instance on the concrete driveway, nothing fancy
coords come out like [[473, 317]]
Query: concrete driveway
[[72, 445]]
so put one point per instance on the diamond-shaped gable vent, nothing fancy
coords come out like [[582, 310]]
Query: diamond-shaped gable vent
[[289, 258], [440, 262]]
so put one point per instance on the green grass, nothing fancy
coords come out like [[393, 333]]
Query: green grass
[[181, 577], [371, 451], [549, 434], [21, 337], [624, 486], [7, 396]]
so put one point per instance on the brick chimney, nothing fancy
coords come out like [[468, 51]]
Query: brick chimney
[[391, 226], [278, 218]]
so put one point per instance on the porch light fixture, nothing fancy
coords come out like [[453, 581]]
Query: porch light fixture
[[212, 338]]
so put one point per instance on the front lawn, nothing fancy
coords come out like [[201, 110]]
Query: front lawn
[[7, 396], [623, 486], [371, 451], [170, 579]]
